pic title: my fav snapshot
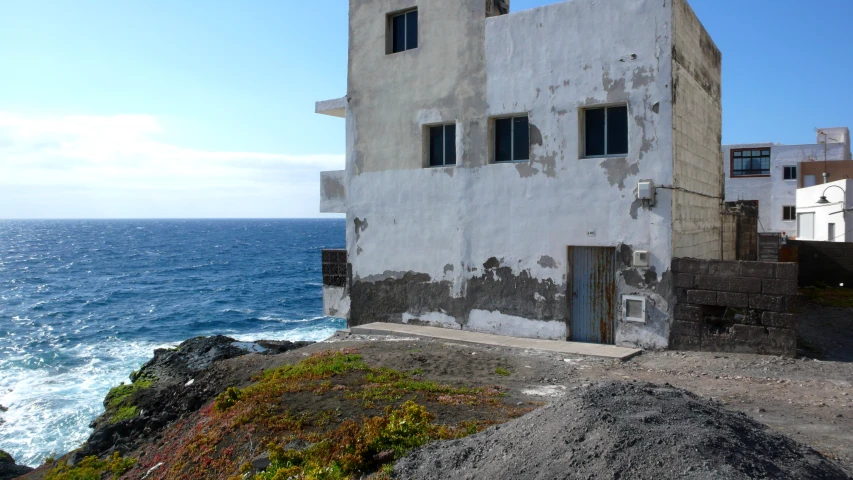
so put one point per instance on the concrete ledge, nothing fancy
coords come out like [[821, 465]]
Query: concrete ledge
[[336, 107], [569, 348]]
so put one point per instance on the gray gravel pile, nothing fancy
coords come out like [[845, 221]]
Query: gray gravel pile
[[623, 430]]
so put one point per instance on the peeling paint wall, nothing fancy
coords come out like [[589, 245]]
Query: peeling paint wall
[[333, 192], [697, 123], [483, 246], [774, 192]]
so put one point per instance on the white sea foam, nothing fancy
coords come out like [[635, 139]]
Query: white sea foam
[[50, 408]]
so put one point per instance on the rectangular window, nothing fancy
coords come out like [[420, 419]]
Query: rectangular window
[[404, 31], [512, 139], [751, 162], [442, 145], [809, 181], [790, 173], [606, 131], [789, 213]]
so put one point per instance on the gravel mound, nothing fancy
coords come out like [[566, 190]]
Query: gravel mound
[[623, 430]]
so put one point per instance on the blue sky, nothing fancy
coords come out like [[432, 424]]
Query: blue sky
[[163, 108]]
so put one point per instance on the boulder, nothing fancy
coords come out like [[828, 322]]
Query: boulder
[[9, 469]]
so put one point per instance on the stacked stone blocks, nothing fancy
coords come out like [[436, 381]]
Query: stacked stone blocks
[[732, 306]]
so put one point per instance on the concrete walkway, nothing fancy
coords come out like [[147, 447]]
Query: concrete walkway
[[569, 348]]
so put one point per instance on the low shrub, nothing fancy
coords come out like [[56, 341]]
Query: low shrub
[[92, 468]]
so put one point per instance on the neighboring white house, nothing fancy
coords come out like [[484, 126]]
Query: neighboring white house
[[823, 212], [770, 173], [501, 167]]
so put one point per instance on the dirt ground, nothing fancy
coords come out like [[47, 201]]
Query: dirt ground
[[809, 400]]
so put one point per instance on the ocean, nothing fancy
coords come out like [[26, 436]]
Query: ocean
[[83, 303]]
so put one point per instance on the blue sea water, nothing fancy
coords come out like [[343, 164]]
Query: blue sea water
[[83, 303]]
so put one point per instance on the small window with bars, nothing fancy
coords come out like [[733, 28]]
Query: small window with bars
[[442, 145], [334, 268], [790, 173], [751, 162]]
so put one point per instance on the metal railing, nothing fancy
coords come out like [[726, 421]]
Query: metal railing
[[334, 268]]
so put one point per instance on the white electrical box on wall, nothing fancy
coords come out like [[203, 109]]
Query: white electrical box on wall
[[641, 259], [634, 308], [646, 191]]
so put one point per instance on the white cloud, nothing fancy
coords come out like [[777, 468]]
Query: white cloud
[[89, 167]]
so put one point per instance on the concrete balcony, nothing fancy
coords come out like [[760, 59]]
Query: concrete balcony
[[333, 192], [334, 108]]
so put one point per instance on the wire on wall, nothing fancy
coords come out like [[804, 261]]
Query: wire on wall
[[668, 187]]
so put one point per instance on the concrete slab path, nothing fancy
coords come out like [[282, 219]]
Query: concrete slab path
[[569, 348]]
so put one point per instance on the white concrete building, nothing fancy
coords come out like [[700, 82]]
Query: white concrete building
[[824, 212], [501, 166], [771, 174]]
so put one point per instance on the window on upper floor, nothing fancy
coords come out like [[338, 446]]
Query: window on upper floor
[[605, 131], [512, 139], [442, 145], [789, 213], [750, 162], [402, 31], [790, 173]]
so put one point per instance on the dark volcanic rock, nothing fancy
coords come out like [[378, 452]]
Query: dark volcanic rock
[[623, 430], [182, 380], [8, 468]]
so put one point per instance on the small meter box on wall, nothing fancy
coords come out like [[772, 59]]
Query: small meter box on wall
[[641, 259], [634, 308]]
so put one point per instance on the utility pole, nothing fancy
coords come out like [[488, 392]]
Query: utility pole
[[826, 140]]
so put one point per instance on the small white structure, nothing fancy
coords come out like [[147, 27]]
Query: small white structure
[[770, 173], [823, 212]]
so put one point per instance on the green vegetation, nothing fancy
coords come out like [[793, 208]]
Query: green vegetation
[[356, 447], [5, 457], [92, 468], [312, 418], [502, 372], [119, 400]]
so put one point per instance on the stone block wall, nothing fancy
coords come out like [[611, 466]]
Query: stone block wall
[[731, 306]]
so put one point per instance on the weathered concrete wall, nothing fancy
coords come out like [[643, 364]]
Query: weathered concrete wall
[[333, 192], [391, 97], [729, 237], [482, 245], [734, 306], [697, 133], [774, 192], [336, 302]]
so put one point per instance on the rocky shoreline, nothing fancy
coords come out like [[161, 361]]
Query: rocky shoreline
[[173, 384]]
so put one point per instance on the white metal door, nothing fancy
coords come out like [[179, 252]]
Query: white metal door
[[805, 226]]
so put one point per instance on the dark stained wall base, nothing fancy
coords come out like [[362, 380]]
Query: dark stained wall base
[[498, 289]]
